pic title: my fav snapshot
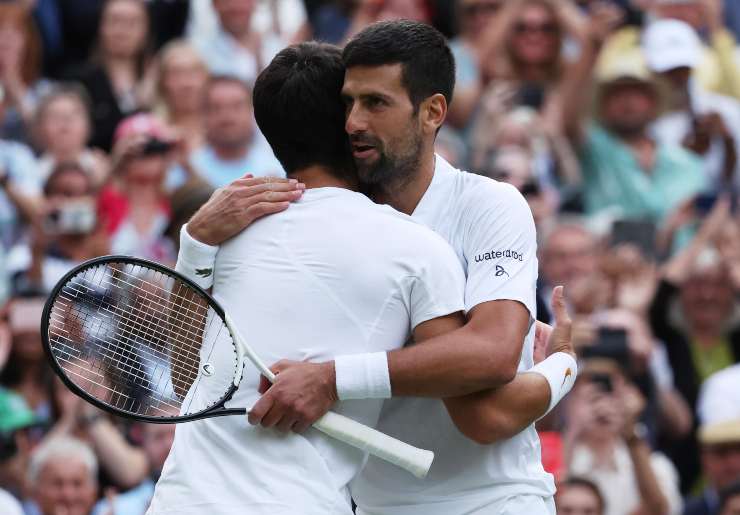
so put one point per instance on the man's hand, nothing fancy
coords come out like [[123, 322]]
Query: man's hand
[[301, 394], [549, 340], [233, 208]]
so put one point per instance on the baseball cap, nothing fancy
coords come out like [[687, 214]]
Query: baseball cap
[[669, 44], [14, 412], [144, 124]]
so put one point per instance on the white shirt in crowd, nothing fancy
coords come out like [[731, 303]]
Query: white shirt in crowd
[[618, 483], [672, 128], [334, 274], [490, 227]]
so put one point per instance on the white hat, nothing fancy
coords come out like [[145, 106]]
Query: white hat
[[718, 407], [670, 44]]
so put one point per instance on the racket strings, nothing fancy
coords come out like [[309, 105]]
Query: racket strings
[[133, 337]]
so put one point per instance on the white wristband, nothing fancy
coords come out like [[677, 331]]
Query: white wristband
[[196, 259], [560, 371], [362, 376]]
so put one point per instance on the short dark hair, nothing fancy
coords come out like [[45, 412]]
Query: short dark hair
[[582, 482], [427, 64], [298, 107]]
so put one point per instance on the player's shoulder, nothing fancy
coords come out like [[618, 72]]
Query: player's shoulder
[[477, 194]]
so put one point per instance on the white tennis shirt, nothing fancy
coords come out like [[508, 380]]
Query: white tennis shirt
[[490, 227], [334, 274]]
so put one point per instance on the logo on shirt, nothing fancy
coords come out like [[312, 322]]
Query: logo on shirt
[[203, 272], [568, 373], [499, 254], [500, 271]]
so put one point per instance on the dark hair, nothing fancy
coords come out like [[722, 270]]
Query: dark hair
[[581, 482], [427, 64], [298, 108], [62, 169], [728, 493]]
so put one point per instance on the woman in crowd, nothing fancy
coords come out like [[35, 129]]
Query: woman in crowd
[[62, 131], [114, 80], [20, 68], [180, 88], [133, 206]]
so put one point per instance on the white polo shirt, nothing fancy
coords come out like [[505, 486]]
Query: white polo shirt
[[334, 274], [490, 227]]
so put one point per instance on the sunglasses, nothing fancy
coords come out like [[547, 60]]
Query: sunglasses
[[542, 28]]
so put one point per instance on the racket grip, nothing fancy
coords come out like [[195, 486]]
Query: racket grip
[[415, 460]]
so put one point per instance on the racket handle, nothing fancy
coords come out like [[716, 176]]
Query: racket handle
[[415, 460]]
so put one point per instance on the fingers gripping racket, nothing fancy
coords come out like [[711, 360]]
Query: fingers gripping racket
[[141, 341]]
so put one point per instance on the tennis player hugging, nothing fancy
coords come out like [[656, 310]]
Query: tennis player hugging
[[333, 284]]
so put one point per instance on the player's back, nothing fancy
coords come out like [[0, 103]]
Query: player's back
[[334, 274]]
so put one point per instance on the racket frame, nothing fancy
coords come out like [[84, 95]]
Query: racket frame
[[217, 410]]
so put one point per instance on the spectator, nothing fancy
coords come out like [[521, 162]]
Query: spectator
[[701, 339], [65, 232], [114, 77], [705, 123], [133, 207], [16, 422], [62, 475], [234, 145], [27, 372], [717, 70], [63, 128], [180, 87], [578, 496], [20, 69], [235, 49], [719, 436], [626, 173], [156, 442], [20, 188], [730, 500], [605, 442]]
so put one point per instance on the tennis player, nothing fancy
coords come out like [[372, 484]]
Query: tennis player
[[399, 81], [335, 273]]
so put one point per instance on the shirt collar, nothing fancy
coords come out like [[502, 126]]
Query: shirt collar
[[428, 209]]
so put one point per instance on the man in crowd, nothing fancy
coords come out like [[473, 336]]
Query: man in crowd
[[399, 80], [233, 142], [63, 477], [719, 438]]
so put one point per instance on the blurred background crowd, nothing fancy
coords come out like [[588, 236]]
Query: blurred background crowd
[[618, 120]]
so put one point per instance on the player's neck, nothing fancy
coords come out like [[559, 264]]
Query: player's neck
[[406, 194], [317, 176]]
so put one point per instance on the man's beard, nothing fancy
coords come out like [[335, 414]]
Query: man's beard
[[391, 172]]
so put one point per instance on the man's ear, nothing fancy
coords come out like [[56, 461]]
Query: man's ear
[[433, 112]]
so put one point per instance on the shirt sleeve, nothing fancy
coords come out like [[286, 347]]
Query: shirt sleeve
[[438, 287], [500, 248]]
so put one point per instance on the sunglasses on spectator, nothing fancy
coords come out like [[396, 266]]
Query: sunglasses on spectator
[[474, 9], [543, 28]]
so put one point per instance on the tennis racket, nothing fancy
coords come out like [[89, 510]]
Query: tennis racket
[[141, 341]]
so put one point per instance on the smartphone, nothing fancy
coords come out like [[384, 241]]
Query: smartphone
[[609, 344], [640, 233], [72, 217], [156, 146]]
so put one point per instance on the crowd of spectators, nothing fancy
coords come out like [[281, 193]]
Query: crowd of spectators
[[618, 120]]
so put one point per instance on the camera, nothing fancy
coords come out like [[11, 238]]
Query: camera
[[156, 146], [72, 217]]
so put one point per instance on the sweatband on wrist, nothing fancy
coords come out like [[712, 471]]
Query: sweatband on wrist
[[560, 371], [196, 259], [362, 376]]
